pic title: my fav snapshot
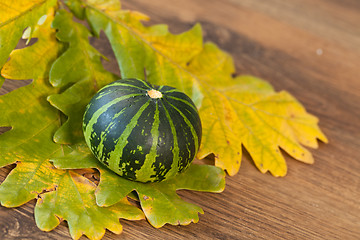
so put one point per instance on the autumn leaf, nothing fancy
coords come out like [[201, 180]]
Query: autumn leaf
[[159, 201], [62, 194], [238, 111], [28, 144], [153, 49], [33, 62], [2, 80], [15, 16], [262, 120], [248, 111], [74, 201], [185, 212], [80, 67], [67, 71]]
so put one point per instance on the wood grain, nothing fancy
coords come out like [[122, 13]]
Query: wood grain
[[309, 48]]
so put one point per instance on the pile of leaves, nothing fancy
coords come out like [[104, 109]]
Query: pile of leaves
[[46, 142]]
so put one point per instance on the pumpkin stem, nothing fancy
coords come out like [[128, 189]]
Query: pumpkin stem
[[154, 93]]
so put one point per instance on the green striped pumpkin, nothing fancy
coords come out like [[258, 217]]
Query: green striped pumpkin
[[142, 132]]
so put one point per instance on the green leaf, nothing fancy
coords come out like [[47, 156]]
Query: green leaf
[[15, 17], [154, 49], [161, 204], [76, 7], [34, 61], [33, 122], [29, 144], [234, 111], [159, 201], [74, 201], [80, 67], [2, 80]]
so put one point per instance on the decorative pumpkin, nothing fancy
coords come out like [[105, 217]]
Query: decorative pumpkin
[[142, 132]]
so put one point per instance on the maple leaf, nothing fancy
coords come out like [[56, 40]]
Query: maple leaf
[[61, 193], [159, 201], [238, 111]]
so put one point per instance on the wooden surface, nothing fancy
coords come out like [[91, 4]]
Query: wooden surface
[[309, 48]]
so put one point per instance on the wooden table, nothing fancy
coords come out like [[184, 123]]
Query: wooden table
[[309, 48]]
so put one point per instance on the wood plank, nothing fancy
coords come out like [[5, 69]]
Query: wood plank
[[278, 41]]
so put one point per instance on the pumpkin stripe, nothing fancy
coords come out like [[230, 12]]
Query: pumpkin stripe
[[146, 84], [189, 111], [171, 90], [117, 123], [98, 111], [94, 125], [124, 86], [166, 89], [165, 156], [117, 86], [186, 147], [194, 140], [147, 167], [131, 83], [111, 132], [160, 88], [192, 128], [175, 146], [184, 101], [137, 148], [111, 90], [115, 156]]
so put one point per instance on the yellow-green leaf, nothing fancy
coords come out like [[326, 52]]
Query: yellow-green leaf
[[15, 16], [262, 121], [29, 144], [74, 201], [80, 67], [152, 50], [34, 61], [33, 122], [159, 201], [2, 80], [234, 111]]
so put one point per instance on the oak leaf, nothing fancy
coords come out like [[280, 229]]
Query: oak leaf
[[2, 80], [159, 201], [74, 201], [15, 16], [80, 67], [29, 145], [234, 111]]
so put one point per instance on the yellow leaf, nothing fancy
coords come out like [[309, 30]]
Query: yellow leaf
[[34, 60], [261, 120], [74, 201], [242, 111], [15, 16], [61, 194]]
